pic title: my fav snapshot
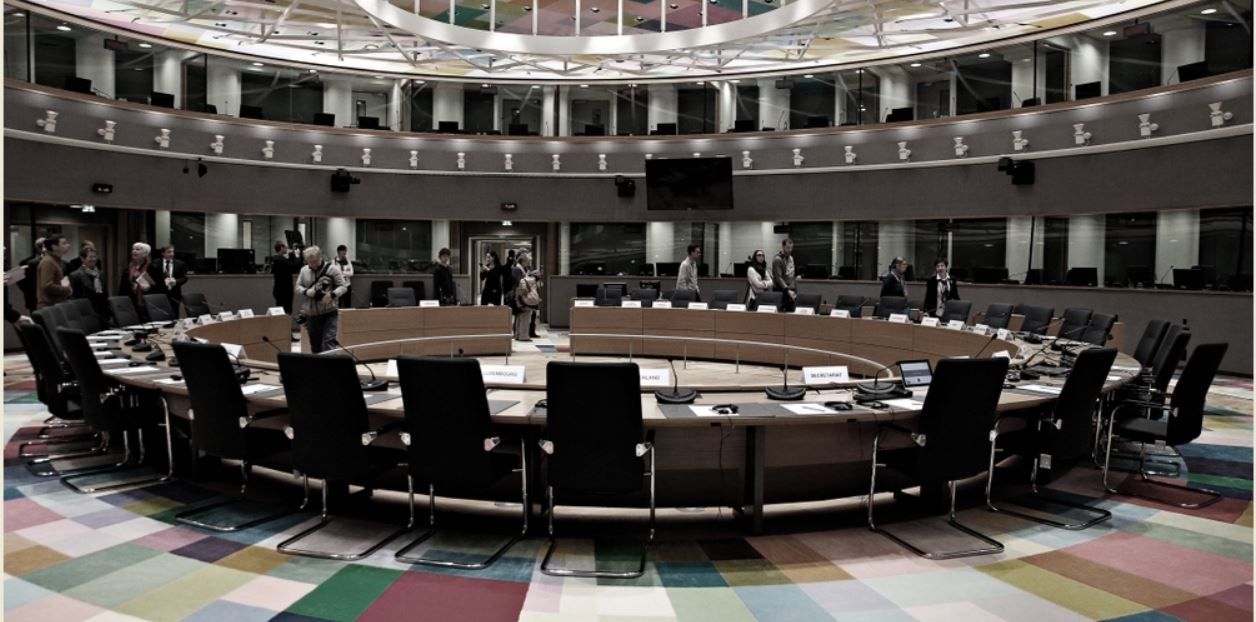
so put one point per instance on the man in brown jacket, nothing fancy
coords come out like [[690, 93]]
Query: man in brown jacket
[[52, 284]]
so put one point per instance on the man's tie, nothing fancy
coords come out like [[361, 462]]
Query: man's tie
[[168, 273]]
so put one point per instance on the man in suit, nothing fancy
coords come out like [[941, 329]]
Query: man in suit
[[283, 266], [940, 288], [443, 280], [893, 284], [169, 275], [783, 279]]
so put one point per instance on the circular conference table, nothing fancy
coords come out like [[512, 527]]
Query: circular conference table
[[766, 453]]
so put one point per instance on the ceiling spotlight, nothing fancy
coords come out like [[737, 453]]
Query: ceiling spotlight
[[420, 81], [484, 7], [259, 65], [584, 86], [527, 8], [484, 86], [1208, 11], [378, 77], [673, 6], [63, 28], [639, 19], [700, 83], [915, 64], [146, 45], [633, 86], [596, 10], [984, 55], [313, 71], [89, 209], [858, 71], [17, 14], [735, 81], [1109, 33]]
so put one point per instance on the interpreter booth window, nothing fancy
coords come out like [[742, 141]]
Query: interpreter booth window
[[607, 248], [16, 45], [1129, 248], [858, 258], [979, 246], [187, 236], [813, 249], [394, 245], [1225, 248]]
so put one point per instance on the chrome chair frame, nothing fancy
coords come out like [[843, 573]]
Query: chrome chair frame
[[1212, 496], [1100, 514], [325, 519], [66, 479]]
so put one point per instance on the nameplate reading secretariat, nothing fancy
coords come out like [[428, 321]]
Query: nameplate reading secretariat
[[429, 303], [655, 377], [829, 374], [502, 374]]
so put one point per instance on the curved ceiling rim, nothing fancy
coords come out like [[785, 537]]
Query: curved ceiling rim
[[993, 44]]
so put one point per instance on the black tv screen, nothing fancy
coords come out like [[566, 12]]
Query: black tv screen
[[689, 184]]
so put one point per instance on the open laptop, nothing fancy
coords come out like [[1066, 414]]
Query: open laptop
[[915, 373]]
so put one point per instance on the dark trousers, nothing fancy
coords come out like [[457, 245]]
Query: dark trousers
[[322, 331], [284, 301]]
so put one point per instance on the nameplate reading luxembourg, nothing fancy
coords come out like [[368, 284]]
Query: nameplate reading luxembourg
[[804, 311], [582, 303], [842, 313], [826, 375], [502, 374], [898, 318], [929, 321], [655, 377], [765, 309], [955, 325], [245, 313], [699, 306], [662, 304], [276, 311], [735, 306], [429, 303], [632, 304]]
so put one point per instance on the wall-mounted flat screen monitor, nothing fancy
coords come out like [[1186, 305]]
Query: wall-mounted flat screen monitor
[[236, 261], [689, 184]]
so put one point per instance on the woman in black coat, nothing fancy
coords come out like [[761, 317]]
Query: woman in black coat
[[494, 277]]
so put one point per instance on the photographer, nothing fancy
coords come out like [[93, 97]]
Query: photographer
[[320, 283]]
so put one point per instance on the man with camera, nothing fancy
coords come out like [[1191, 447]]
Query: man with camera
[[320, 284]]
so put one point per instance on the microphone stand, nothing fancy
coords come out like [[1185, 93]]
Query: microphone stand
[[272, 344], [785, 392], [374, 384], [675, 396]]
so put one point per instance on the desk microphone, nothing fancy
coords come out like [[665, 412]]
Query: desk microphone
[[874, 390], [242, 373], [1160, 281], [675, 396], [987, 345], [374, 384], [786, 392], [272, 344]]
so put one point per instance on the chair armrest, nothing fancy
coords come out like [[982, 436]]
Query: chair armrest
[[1145, 404], [647, 446], [918, 439], [265, 414], [369, 437]]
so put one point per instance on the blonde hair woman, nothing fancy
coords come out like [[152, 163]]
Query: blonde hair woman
[[135, 281]]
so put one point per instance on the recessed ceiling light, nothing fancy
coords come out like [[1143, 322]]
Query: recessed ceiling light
[[18, 14], [146, 45], [1208, 11], [378, 77], [700, 83], [63, 28], [584, 86], [484, 86], [858, 71], [259, 64], [313, 71], [915, 64], [735, 81], [1026, 60], [810, 76], [984, 55], [420, 82], [1109, 33]]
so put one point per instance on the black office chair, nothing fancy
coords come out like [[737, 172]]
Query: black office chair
[[811, 301], [888, 305], [599, 455], [850, 304], [419, 288], [1150, 342], [721, 298], [1037, 319], [956, 310], [124, 311], [49, 321], [612, 297], [331, 436], [159, 308], [222, 426], [1062, 435], [767, 299], [998, 315], [379, 293], [682, 297], [646, 295], [449, 439], [113, 410], [953, 441], [66, 316], [195, 304], [1099, 329], [1074, 324], [1172, 348], [401, 297], [89, 321], [59, 394], [1185, 410]]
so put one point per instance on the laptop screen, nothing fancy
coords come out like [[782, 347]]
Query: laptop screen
[[915, 373]]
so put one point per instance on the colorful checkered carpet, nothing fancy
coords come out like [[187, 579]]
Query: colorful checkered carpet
[[120, 556]]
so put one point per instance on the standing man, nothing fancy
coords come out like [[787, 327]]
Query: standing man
[[783, 275], [283, 266], [169, 275], [893, 284], [939, 288], [53, 286], [687, 276], [27, 284], [346, 269], [443, 280], [320, 284]]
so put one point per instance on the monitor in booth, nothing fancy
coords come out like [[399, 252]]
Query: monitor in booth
[[689, 184], [236, 261]]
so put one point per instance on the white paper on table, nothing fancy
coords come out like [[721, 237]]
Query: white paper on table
[[898, 318], [929, 321], [250, 389], [809, 409], [842, 313], [631, 304], [708, 411], [1040, 388], [662, 304], [134, 370], [735, 306], [1125, 368], [107, 354], [699, 306], [1113, 378], [904, 403], [1003, 333], [107, 362], [235, 350], [133, 327], [1002, 354]]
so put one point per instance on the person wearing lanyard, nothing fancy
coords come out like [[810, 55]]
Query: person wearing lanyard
[[169, 275], [940, 288], [893, 284]]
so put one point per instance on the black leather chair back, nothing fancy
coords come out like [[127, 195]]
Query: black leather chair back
[[604, 297], [1077, 402], [401, 297], [1037, 319], [217, 401], [89, 320], [92, 383], [594, 421], [1075, 323], [123, 311], [887, 305], [447, 416], [808, 300], [682, 297], [998, 315], [1191, 392], [768, 299], [379, 293], [46, 364], [50, 322], [958, 414], [957, 310], [646, 295], [328, 415], [1099, 327], [721, 298], [66, 315], [851, 304], [159, 308], [418, 287], [1149, 343], [1176, 339], [195, 304]]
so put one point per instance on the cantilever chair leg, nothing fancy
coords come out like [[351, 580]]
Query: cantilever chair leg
[[1211, 496], [155, 478], [188, 517], [324, 519], [1041, 501], [606, 574], [431, 521]]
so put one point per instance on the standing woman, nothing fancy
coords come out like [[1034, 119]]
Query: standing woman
[[492, 273], [88, 281], [527, 295], [135, 281], [757, 276]]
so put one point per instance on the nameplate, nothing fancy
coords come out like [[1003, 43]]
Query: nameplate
[[392, 369], [955, 325], [898, 318], [1004, 333], [655, 377], [245, 313], [842, 313], [234, 350], [432, 303], [226, 315], [765, 309], [276, 311], [981, 328], [700, 306], [735, 307], [804, 311], [582, 303], [1002, 354], [205, 319], [829, 374], [631, 304], [502, 374], [662, 304], [929, 321]]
